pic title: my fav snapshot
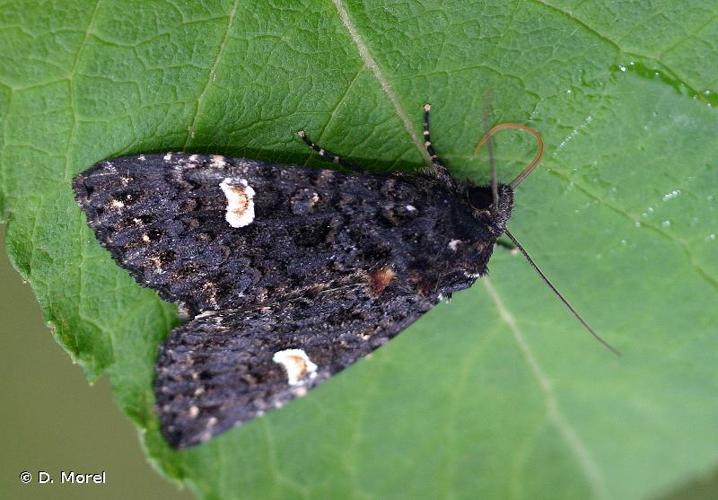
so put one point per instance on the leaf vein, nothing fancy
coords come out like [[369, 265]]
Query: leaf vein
[[682, 80], [471, 360], [71, 82], [553, 413], [703, 273], [690, 35], [386, 87], [210, 78], [333, 113]]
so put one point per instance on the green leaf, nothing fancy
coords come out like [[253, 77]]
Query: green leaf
[[498, 394]]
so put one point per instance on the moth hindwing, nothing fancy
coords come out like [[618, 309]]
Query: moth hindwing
[[288, 275]]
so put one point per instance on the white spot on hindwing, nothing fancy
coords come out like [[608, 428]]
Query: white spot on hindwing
[[410, 208], [297, 364], [167, 157], [454, 244], [240, 206]]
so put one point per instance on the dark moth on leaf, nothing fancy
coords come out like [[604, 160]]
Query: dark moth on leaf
[[287, 274]]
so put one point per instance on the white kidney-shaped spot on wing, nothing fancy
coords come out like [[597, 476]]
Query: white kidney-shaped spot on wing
[[454, 244], [297, 364], [240, 206]]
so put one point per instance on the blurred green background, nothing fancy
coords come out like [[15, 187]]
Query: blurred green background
[[52, 419]]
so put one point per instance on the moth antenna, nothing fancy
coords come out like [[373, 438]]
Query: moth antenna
[[486, 139], [490, 147], [438, 167], [560, 296], [327, 155]]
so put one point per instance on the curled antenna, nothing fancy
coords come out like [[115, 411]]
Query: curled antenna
[[486, 139], [560, 296]]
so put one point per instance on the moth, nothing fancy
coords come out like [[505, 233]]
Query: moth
[[285, 275]]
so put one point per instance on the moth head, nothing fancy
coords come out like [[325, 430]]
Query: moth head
[[497, 200], [481, 201]]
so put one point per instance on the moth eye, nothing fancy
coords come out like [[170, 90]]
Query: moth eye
[[481, 197]]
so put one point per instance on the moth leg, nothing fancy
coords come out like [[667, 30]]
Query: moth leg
[[438, 166], [327, 155], [507, 245]]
